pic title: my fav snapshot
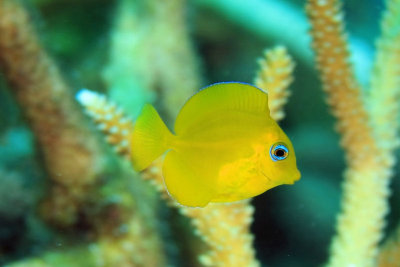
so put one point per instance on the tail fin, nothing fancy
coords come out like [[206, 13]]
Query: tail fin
[[150, 138]]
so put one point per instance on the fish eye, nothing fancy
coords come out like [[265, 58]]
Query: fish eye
[[278, 151]]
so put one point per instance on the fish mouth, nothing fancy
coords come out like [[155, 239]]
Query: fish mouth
[[296, 176]]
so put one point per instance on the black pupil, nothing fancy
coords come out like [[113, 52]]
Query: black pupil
[[280, 152]]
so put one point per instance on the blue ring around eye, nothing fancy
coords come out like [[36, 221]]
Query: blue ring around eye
[[274, 148]]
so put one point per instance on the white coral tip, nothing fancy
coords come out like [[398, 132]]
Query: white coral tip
[[86, 97]]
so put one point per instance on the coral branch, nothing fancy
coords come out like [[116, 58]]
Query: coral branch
[[175, 60], [54, 117], [225, 228], [343, 91], [75, 159], [384, 108], [143, 61], [274, 77], [384, 97], [109, 118], [364, 203], [130, 75]]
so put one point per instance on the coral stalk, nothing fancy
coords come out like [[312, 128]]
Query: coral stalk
[[274, 77], [74, 158], [109, 118], [340, 84], [144, 61], [49, 106], [384, 95], [383, 100], [225, 228], [364, 202], [176, 64], [130, 74]]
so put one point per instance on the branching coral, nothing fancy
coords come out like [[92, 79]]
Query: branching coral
[[74, 158], [110, 119], [384, 93], [384, 110], [275, 77], [225, 229], [364, 204], [48, 104], [130, 78], [176, 65], [157, 55]]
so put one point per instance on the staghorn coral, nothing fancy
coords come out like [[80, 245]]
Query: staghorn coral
[[76, 161], [275, 76], [383, 99], [130, 78], [223, 227], [364, 201], [144, 61], [384, 93], [110, 119], [176, 65], [48, 105]]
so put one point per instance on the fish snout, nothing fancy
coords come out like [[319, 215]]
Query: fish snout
[[295, 176]]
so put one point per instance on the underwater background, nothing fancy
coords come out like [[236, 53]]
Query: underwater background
[[68, 194]]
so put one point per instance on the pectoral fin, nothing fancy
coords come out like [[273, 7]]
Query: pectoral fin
[[183, 182]]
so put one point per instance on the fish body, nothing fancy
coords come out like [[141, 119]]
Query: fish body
[[225, 146]]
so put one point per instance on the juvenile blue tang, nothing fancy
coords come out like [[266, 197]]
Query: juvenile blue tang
[[226, 147]]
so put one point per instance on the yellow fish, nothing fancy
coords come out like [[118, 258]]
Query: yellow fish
[[226, 146]]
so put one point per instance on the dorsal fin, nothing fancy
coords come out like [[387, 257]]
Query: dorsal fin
[[221, 97]]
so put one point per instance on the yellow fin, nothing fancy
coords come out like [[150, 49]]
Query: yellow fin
[[183, 183], [221, 98], [150, 138]]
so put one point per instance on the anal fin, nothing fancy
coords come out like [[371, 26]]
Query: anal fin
[[183, 182]]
